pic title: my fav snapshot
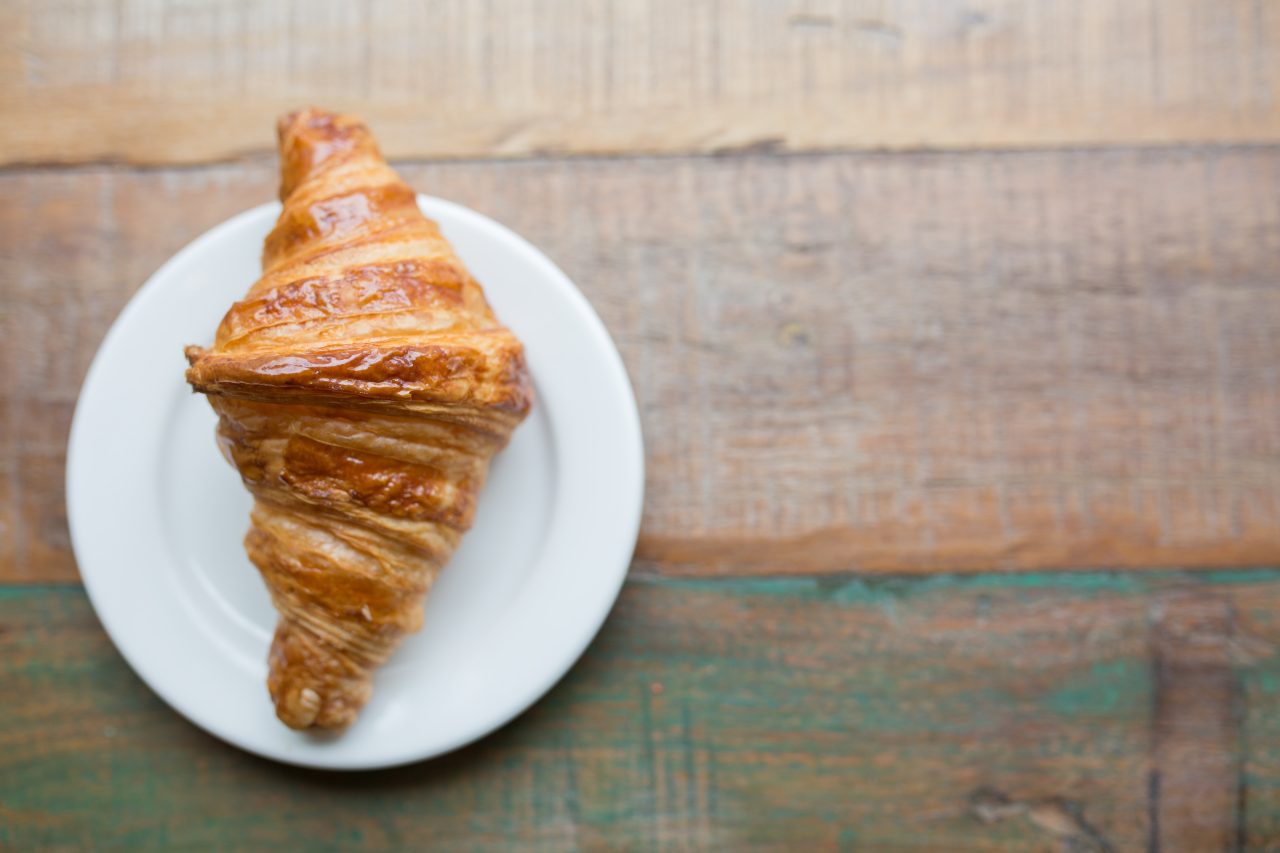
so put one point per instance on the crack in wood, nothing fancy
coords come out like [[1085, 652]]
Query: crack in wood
[[1057, 817]]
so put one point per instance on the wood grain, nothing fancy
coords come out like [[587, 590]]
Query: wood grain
[[1196, 774], [746, 715], [883, 364], [147, 81]]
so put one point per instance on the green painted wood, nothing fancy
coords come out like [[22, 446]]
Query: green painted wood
[[746, 714]]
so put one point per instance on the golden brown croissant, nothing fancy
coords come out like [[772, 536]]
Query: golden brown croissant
[[362, 387]]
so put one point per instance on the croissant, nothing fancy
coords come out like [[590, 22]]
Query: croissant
[[362, 387]]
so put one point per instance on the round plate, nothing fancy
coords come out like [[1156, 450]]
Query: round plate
[[157, 516]]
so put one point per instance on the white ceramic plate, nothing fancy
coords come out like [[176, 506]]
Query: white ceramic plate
[[157, 516]]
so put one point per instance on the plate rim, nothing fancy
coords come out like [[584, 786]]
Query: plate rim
[[631, 496]]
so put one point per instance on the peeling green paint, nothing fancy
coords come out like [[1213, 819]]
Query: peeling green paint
[[1107, 688], [854, 589]]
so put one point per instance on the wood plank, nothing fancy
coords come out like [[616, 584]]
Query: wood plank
[[146, 81], [1197, 756], [1260, 726], [886, 364], [752, 714]]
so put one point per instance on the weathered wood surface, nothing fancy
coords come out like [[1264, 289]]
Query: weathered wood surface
[[856, 362], [1196, 728], [846, 362], [147, 81], [973, 714]]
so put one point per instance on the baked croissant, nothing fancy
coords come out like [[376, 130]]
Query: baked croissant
[[362, 387]]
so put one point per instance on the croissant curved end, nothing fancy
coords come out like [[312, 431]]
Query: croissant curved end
[[311, 685]]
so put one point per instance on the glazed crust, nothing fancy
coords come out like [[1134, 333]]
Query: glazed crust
[[362, 386]]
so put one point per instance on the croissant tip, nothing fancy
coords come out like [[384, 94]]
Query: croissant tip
[[305, 710], [284, 122], [310, 116], [288, 120]]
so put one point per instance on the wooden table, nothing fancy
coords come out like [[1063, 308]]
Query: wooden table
[[955, 329]]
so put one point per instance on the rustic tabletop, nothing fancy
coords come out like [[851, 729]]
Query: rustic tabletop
[[955, 329]]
